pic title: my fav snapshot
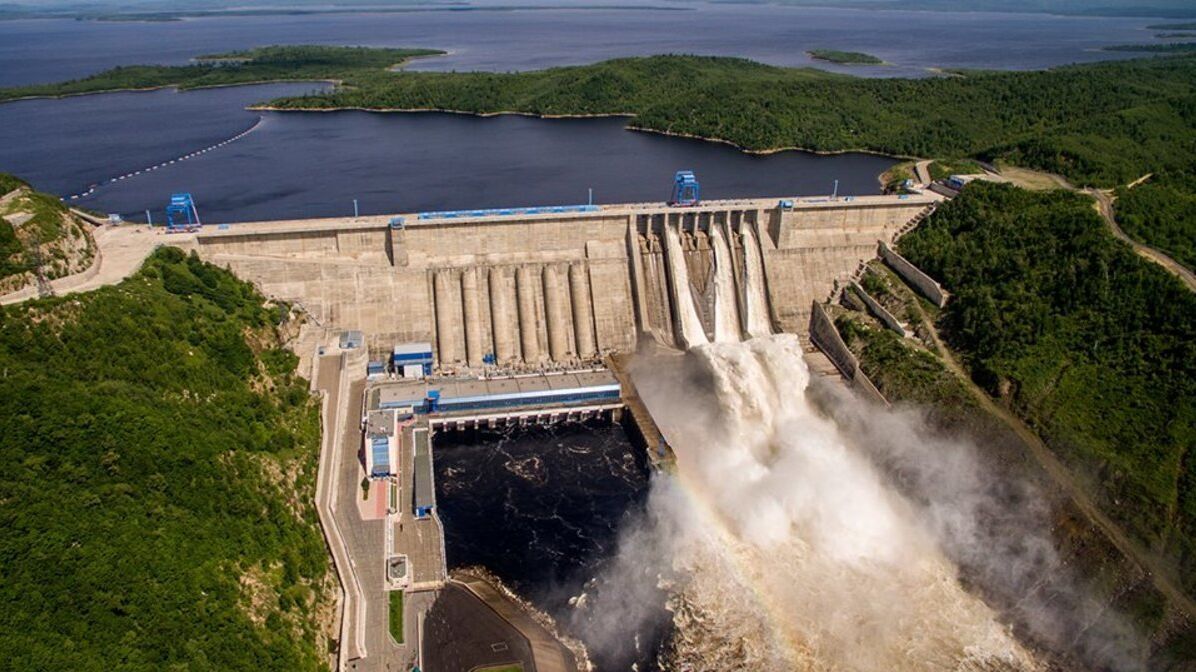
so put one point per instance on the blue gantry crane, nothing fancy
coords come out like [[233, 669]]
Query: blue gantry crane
[[181, 214], [686, 190]]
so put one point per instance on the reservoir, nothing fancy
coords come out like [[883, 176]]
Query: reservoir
[[315, 164], [491, 35]]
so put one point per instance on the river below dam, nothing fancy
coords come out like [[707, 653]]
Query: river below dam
[[127, 152], [544, 509]]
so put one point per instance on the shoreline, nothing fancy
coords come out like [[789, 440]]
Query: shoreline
[[604, 115], [813, 56], [177, 87], [182, 87]]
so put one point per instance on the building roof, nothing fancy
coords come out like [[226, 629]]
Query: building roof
[[413, 349], [400, 394], [352, 339], [380, 454], [424, 494]]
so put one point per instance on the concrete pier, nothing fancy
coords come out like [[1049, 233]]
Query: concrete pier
[[529, 337], [558, 321], [500, 314], [473, 318], [583, 318], [446, 318]]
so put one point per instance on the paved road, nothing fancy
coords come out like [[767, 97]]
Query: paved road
[[1104, 204], [922, 172], [329, 380], [120, 251], [366, 639], [365, 539]]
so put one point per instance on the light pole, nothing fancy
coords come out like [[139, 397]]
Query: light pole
[[836, 192], [355, 208]]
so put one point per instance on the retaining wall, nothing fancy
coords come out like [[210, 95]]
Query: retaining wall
[[825, 335], [925, 285], [878, 311]]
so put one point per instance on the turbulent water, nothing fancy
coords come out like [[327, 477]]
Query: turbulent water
[[545, 510], [787, 550], [775, 544]]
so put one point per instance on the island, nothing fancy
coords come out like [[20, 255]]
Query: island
[[1168, 48], [844, 57]]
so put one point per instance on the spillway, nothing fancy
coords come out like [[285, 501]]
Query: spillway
[[690, 324], [756, 322], [726, 312], [794, 553]]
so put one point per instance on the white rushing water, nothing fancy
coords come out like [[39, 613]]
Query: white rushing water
[[787, 548], [726, 312], [756, 322], [692, 331]]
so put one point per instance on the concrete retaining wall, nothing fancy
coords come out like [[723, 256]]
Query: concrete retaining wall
[[825, 335], [925, 285], [878, 311]]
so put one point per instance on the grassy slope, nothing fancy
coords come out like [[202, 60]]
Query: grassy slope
[[1092, 346], [140, 427], [65, 246]]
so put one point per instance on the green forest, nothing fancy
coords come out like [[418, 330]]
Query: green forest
[[1094, 347], [844, 57], [280, 63], [157, 470], [1162, 211]]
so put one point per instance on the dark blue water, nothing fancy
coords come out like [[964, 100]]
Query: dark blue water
[[545, 510], [50, 50], [315, 164]]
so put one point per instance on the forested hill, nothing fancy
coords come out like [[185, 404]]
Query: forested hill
[[265, 64], [1093, 346], [1102, 124], [157, 469]]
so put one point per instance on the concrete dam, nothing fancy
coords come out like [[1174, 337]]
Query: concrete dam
[[557, 288]]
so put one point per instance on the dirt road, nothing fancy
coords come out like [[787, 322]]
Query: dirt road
[[1104, 205], [1160, 575]]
